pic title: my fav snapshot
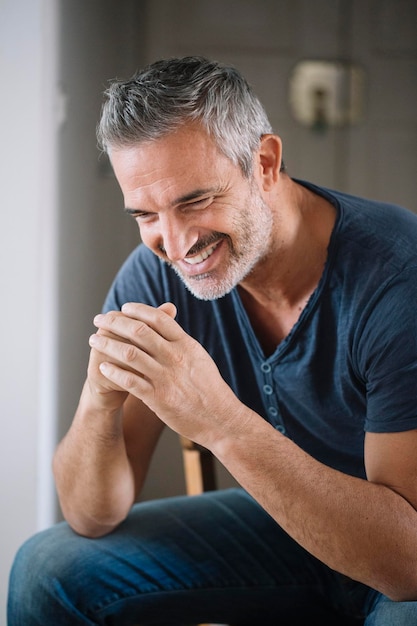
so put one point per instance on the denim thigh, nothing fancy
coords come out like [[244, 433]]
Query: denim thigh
[[217, 557]]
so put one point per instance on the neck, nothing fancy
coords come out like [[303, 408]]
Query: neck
[[278, 289], [303, 224]]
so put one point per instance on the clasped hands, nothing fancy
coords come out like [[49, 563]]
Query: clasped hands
[[141, 350]]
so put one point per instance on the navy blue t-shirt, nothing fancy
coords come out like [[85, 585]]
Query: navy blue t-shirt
[[349, 365]]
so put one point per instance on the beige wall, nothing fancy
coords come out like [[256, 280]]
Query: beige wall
[[266, 38]]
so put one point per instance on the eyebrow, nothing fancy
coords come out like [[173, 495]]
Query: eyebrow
[[188, 197]]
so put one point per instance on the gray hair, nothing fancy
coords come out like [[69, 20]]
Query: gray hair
[[169, 93]]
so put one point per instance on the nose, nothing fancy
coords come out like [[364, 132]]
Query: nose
[[176, 236]]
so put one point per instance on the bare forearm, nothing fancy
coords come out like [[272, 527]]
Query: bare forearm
[[364, 530], [93, 475]]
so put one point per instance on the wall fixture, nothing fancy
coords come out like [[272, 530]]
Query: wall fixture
[[326, 93]]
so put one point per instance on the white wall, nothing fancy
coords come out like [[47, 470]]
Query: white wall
[[27, 254]]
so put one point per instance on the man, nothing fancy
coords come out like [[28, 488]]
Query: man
[[272, 322]]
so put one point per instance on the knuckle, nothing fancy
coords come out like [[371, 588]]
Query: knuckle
[[139, 329], [129, 353], [111, 318], [130, 380], [178, 358]]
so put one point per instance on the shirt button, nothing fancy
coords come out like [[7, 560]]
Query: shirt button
[[268, 389], [265, 367], [280, 428], [272, 411]]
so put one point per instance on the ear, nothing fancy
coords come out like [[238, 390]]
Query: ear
[[269, 160]]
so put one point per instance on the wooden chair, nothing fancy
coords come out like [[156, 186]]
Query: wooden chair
[[199, 469]]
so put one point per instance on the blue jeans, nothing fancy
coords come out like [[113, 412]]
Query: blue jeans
[[212, 558]]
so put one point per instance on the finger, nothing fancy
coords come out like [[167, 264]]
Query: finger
[[124, 354], [129, 331], [169, 308], [160, 321], [107, 333], [127, 380]]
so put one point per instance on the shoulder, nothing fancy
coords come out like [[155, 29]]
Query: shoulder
[[387, 233], [371, 240]]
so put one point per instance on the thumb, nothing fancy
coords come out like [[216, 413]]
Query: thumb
[[169, 308]]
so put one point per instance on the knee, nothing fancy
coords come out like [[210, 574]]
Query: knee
[[40, 563], [37, 555]]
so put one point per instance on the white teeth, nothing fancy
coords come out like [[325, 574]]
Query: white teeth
[[199, 258]]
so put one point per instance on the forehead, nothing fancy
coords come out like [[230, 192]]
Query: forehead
[[170, 166]]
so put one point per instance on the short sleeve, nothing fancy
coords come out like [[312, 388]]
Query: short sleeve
[[387, 355]]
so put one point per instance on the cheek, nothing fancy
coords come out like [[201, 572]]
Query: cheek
[[223, 217]]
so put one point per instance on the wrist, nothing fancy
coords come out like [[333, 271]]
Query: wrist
[[103, 401], [100, 410]]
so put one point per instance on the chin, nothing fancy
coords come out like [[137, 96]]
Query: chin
[[206, 288]]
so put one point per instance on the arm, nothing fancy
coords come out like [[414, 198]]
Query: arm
[[366, 529], [101, 463]]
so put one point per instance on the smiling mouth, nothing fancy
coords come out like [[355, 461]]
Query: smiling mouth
[[201, 256]]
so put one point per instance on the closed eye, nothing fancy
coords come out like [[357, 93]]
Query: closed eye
[[192, 201], [140, 215], [200, 203]]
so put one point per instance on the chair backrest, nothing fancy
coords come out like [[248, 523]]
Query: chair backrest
[[199, 468]]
